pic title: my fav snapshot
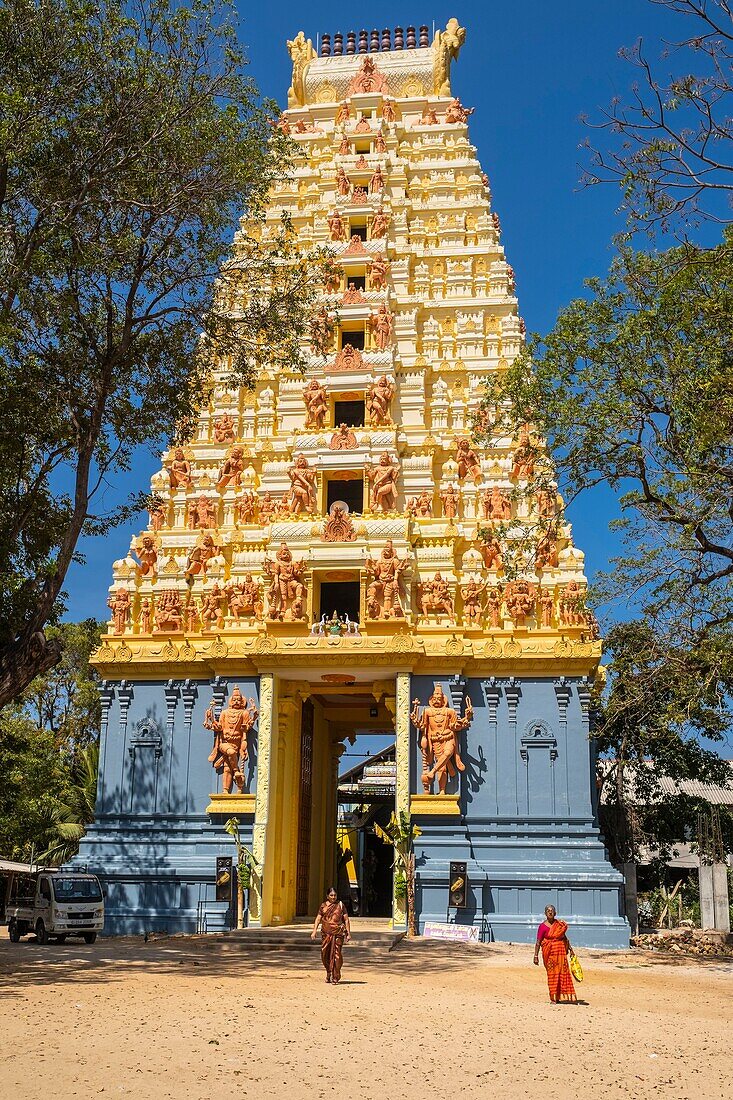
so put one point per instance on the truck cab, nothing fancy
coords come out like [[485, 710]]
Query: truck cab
[[56, 904]]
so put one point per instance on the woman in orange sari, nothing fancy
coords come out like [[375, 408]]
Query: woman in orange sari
[[335, 930], [552, 938]]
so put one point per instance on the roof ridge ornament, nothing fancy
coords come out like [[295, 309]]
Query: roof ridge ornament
[[446, 47]]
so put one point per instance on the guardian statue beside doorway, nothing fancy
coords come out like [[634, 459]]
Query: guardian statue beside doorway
[[439, 726]]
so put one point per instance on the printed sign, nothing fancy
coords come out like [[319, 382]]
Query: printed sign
[[466, 933]]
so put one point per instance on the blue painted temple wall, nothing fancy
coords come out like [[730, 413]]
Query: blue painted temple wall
[[527, 826], [152, 842]]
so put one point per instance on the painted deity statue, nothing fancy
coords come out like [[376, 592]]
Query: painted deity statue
[[119, 605], [230, 729], [343, 439], [473, 610], [232, 470], [450, 499], [439, 726], [224, 428], [168, 611], [383, 593], [147, 556], [202, 513], [286, 593], [200, 556], [302, 486], [212, 609], [378, 271], [467, 459], [244, 599], [336, 226], [495, 505], [321, 331], [367, 79], [316, 404], [435, 597], [381, 325], [179, 470], [383, 480], [380, 224], [378, 401]]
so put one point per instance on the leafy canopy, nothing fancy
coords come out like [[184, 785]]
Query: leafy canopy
[[131, 142]]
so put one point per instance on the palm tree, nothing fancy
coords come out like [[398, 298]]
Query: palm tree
[[68, 818]]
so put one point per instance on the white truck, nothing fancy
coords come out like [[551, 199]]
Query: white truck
[[57, 904]]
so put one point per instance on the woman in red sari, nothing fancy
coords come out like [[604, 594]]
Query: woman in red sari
[[335, 930], [552, 938]]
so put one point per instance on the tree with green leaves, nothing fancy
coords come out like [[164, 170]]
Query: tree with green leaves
[[633, 390], [401, 834], [49, 753], [131, 143]]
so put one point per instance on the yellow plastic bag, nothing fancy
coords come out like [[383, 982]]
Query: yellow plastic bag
[[575, 968]]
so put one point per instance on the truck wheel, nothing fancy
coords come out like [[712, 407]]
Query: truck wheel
[[90, 937], [41, 933], [14, 932]]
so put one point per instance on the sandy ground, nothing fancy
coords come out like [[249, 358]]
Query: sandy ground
[[203, 1019]]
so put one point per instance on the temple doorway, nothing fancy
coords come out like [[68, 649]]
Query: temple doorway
[[346, 780]]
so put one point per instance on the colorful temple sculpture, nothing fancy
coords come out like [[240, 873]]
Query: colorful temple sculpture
[[327, 560]]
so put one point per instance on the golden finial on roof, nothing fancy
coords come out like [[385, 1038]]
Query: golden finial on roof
[[301, 53], [446, 46]]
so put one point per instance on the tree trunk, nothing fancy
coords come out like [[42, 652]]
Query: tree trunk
[[240, 904], [411, 923], [22, 661]]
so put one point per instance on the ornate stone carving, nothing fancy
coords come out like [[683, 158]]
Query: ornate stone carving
[[201, 555], [446, 47], [383, 594], [456, 112], [520, 597], [546, 503], [343, 439], [523, 464], [119, 604], [336, 226], [232, 470], [381, 325], [286, 594], [343, 185], [546, 604], [321, 332], [439, 725], [147, 556], [338, 526], [546, 552], [301, 54], [343, 114], [473, 609], [245, 508], [490, 549], [316, 404], [268, 508], [355, 246], [202, 513], [378, 401], [353, 296], [245, 599], [383, 481], [348, 359], [224, 428], [428, 117], [146, 611], [230, 729], [168, 611], [376, 183], [572, 605], [380, 224], [302, 486], [179, 470], [435, 597], [212, 609], [451, 500], [467, 459], [158, 513], [421, 505], [378, 271], [388, 111], [367, 79], [495, 505]]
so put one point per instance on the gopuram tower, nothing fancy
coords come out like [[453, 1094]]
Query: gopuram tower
[[328, 560]]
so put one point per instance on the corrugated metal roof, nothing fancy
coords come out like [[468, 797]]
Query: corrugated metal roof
[[709, 792]]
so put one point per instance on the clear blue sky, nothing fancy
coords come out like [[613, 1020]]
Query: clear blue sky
[[530, 70]]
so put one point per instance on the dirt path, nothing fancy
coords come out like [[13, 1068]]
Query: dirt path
[[195, 1019]]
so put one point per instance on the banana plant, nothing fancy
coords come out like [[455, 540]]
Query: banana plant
[[246, 867], [400, 833]]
